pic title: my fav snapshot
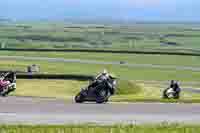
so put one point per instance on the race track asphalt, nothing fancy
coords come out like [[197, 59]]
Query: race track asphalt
[[29, 110]]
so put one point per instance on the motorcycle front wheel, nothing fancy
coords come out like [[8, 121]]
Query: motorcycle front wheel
[[79, 98], [102, 96]]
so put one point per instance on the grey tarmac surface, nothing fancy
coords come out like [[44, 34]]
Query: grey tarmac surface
[[28, 110], [100, 62]]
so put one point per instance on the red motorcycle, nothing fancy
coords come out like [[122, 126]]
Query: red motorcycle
[[7, 83]]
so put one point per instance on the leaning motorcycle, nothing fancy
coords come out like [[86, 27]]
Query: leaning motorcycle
[[170, 93], [99, 92], [7, 88]]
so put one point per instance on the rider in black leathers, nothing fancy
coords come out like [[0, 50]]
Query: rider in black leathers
[[102, 77], [175, 86]]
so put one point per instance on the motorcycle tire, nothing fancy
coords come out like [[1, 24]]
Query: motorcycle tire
[[79, 98], [176, 96], [102, 96], [164, 94], [4, 94]]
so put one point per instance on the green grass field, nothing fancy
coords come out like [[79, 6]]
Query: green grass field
[[87, 128], [176, 60], [61, 35], [192, 42], [120, 71]]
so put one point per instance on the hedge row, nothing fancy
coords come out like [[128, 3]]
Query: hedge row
[[103, 51]]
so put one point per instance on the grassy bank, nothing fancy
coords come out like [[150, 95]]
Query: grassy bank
[[128, 91], [153, 93], [162, 128], [66, 89], [62, 89]]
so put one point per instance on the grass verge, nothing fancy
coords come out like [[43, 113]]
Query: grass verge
[[125, 87], [87, 128], [122, 72]]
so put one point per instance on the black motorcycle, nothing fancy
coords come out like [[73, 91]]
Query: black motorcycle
[[11, 77], [98, 91]]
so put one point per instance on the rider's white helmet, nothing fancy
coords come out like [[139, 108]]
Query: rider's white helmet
[[105, 71]]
